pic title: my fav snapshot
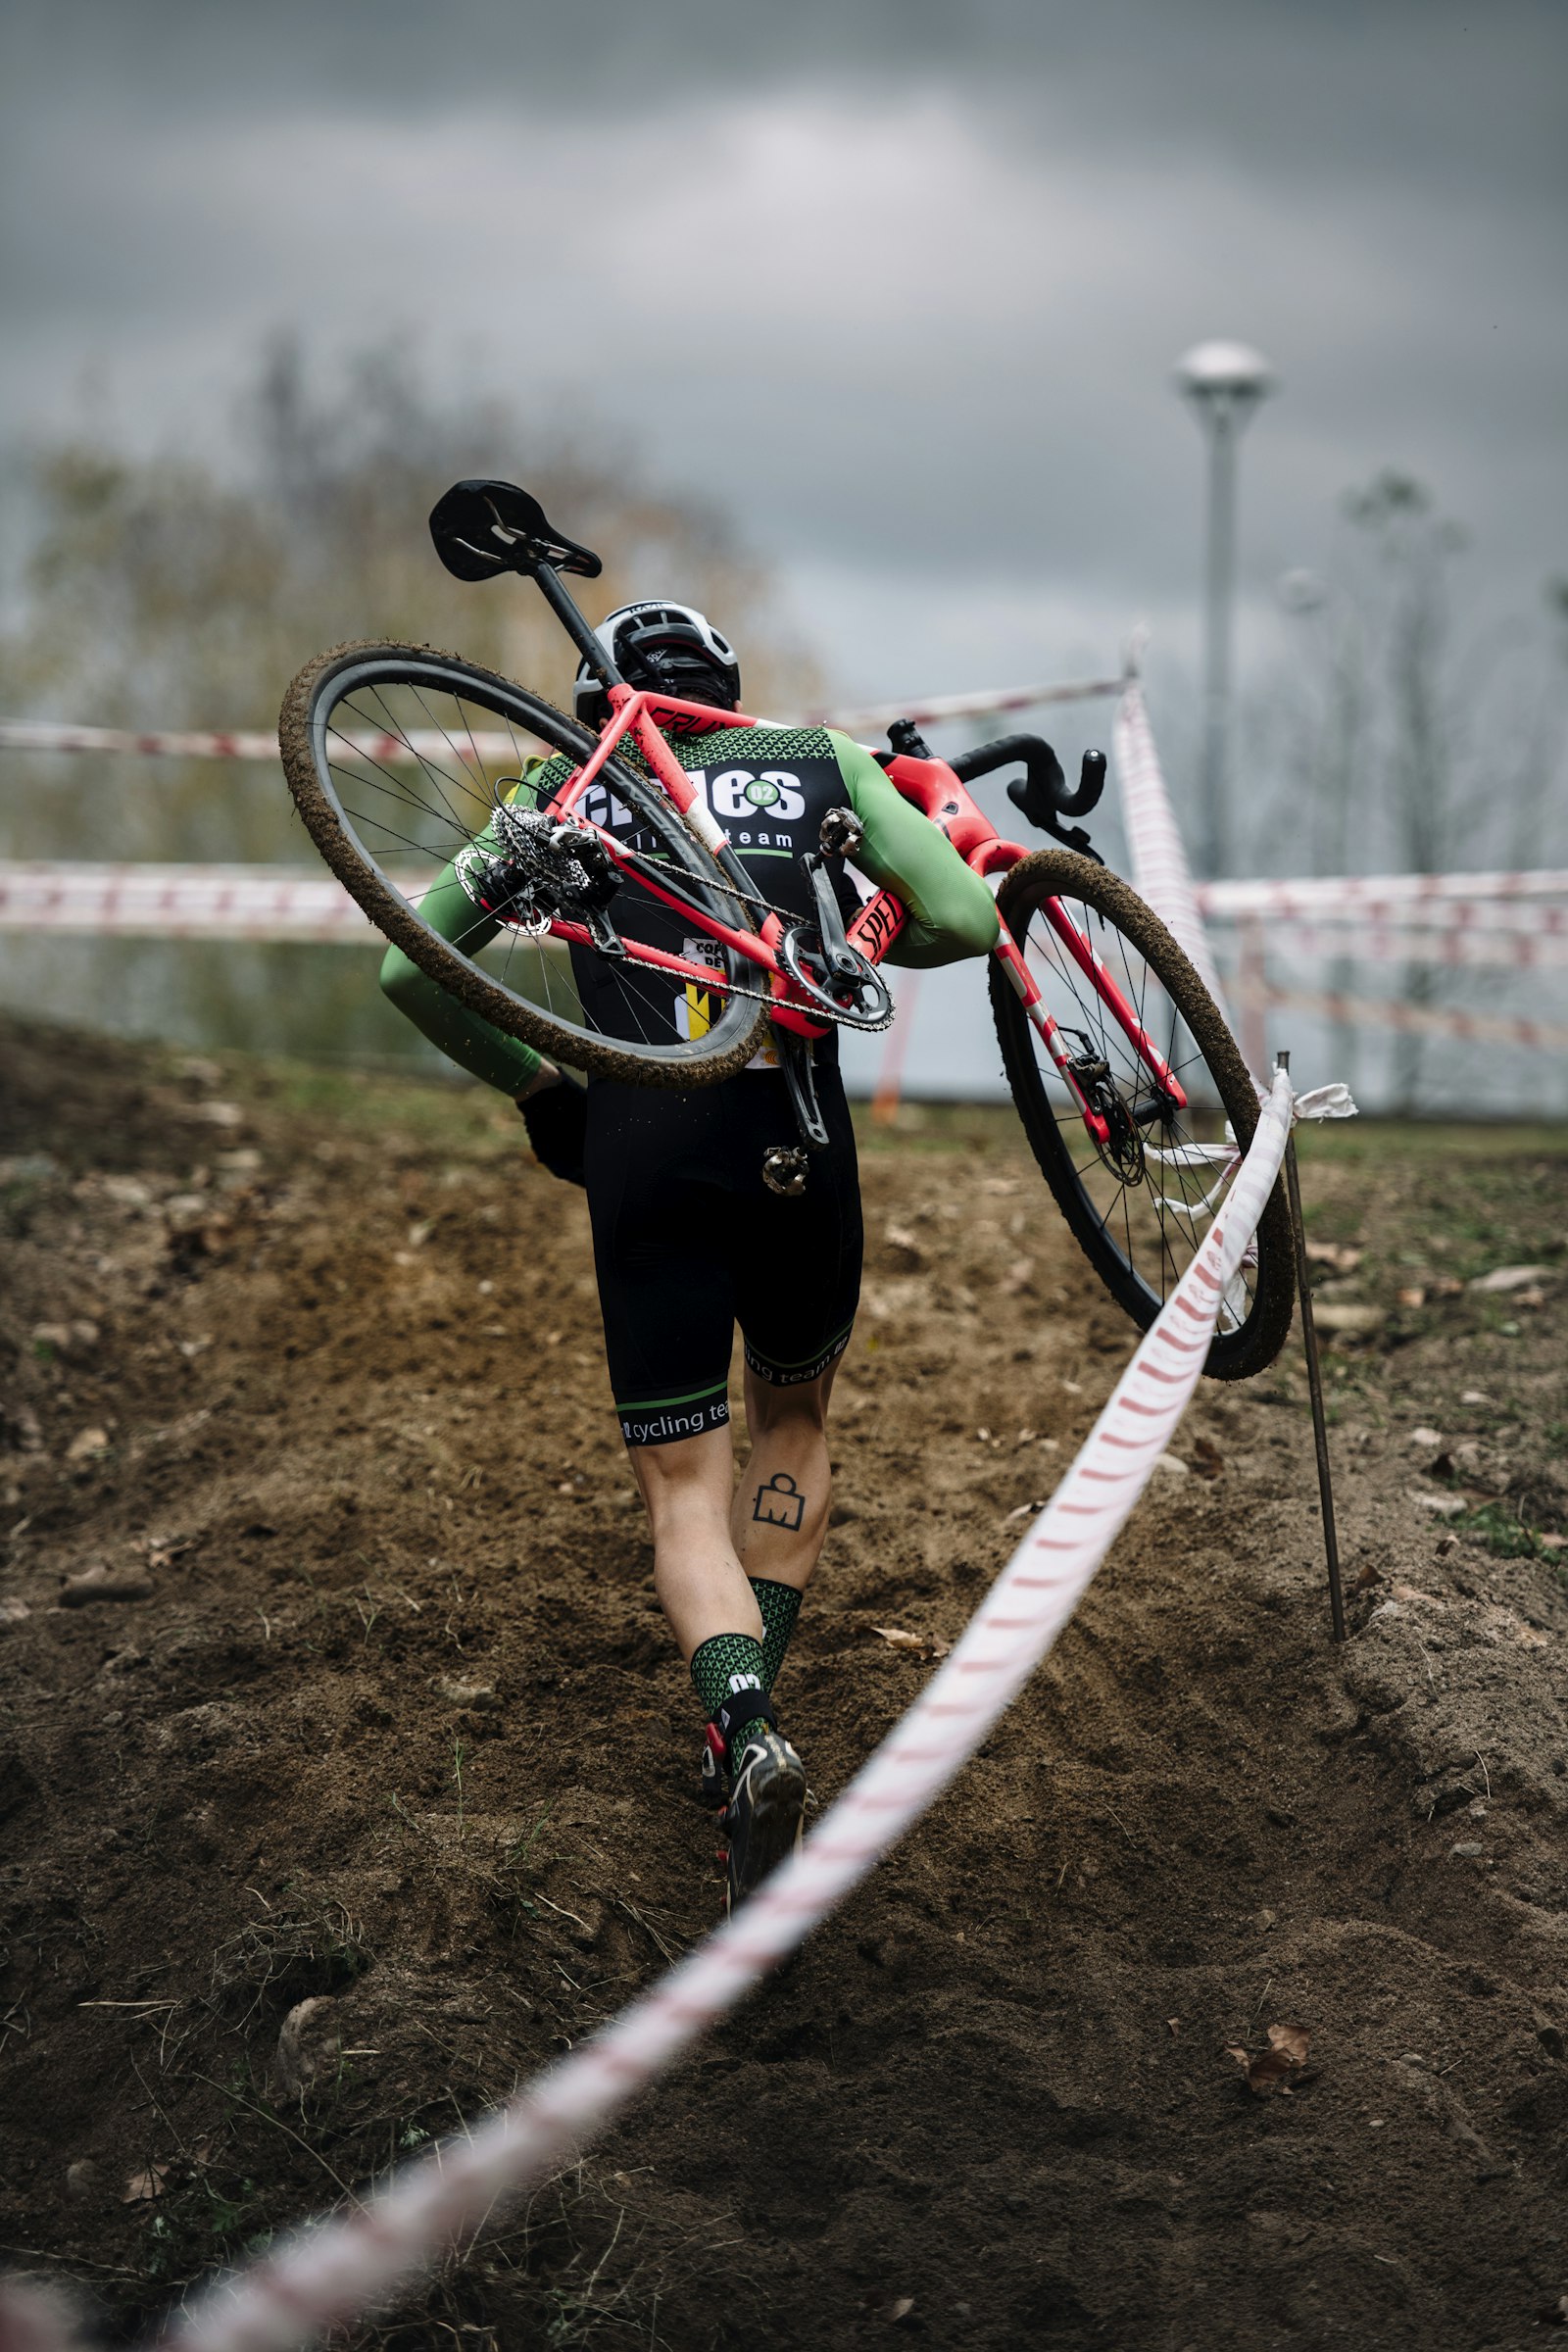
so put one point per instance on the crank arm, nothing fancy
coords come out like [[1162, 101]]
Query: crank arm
[[843, 964], [795, 1060]]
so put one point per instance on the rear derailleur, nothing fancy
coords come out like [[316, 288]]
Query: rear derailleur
[[544, 867]]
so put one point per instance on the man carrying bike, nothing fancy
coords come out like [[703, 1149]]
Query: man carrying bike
[[691, 1236]]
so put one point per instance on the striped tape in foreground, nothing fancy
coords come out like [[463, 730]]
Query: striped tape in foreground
[[328, 2274]]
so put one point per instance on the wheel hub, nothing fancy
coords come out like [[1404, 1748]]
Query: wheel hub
[[1122, 1151]]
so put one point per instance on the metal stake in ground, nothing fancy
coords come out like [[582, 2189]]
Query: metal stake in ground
[[1314, 1379]]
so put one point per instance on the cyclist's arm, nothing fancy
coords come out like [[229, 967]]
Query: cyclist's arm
[[951, 912], [484, 1051]]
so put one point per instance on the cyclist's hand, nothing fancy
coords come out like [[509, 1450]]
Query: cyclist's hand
[[557, 1120]]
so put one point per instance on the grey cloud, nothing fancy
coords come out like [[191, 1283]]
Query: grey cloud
[[1435, 86], [935, 345]]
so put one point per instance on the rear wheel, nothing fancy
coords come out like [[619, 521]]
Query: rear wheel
[[398, 757], [1140, 1204]]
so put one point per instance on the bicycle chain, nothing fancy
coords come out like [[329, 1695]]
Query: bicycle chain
[[786, 914]]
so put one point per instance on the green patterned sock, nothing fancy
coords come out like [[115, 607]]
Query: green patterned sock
[[722, 1666], [780, 1605]]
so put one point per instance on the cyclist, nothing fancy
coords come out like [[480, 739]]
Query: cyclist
[[688, 1237]]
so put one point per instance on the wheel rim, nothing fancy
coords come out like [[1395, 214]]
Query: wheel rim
[[1153, 1188], [415, 759]]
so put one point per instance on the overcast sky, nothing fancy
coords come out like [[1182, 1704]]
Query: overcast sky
[[898, 283]]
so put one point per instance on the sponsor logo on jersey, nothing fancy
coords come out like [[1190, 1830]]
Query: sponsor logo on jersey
[[743, 792], [697, 1008]]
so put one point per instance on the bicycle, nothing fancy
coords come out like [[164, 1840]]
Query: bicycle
[[400, 752]]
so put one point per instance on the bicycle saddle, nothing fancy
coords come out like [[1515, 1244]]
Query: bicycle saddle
[[482, 528]]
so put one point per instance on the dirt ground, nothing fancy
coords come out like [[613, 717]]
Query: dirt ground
[[365, 1701]]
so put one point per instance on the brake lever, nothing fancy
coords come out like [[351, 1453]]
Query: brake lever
[[1045, 820]]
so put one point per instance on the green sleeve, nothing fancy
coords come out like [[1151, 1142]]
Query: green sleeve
[[951, 912], [486, 1052]]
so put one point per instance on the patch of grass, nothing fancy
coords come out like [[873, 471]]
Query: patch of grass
[[520, 1865], [1434, 1141], [937, 1127], [1503, 1532]]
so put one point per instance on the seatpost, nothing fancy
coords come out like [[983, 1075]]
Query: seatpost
[[560, 603]]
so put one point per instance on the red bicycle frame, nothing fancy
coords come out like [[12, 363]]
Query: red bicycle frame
[[931, 786]]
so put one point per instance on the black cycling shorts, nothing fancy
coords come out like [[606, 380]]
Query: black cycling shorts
[[688, 1242]]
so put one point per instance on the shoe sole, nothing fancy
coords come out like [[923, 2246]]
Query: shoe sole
[[778, 1806]]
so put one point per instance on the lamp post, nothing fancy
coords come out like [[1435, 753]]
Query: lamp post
[[1224, 381]]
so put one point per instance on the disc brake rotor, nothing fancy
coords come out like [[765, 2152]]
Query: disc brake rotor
[[1122, 1151]]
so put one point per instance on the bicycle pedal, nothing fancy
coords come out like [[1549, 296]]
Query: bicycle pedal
[[784, 1167]]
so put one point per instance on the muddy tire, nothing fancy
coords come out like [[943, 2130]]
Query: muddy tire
[[1137, 1236], [307, 727]]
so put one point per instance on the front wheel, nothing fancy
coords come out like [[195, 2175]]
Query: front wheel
[[402, 761], [1140, 1203]]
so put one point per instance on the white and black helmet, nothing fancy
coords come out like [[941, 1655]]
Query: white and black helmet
[[672, 649]]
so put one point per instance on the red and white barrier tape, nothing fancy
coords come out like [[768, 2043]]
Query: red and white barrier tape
[[877, 715], [1512, 949], [1353, 898], [420, 743], [44, 735], [254, 903], [260, 902], [47, 735], [1535, 918], [1160, 870], [325, 2277], [1421, 1020], [1386, 910]]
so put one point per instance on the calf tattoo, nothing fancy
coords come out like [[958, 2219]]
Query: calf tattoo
[[780, 1503]]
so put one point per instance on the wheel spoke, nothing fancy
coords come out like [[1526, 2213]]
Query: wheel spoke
[[1143, 1199], [411, 757]]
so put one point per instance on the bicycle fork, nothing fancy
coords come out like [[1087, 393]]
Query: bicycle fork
[[1110, 996]]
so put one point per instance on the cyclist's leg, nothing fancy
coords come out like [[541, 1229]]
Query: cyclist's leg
[[674, 1187], [778, 1518], [797, 1288], [661, 1210], [657, 1208], [701, 1585]]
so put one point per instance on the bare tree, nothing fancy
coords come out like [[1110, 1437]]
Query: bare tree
[[159, 593], [1420, 743]]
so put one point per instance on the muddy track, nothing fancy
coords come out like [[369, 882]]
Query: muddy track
[[371, 1707]]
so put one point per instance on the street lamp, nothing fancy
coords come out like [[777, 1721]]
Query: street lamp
[[1224, 381]]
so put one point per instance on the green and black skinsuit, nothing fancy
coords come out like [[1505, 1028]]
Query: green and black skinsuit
[[688, 1240]]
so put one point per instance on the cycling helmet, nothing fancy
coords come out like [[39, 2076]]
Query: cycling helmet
[[672, 649]]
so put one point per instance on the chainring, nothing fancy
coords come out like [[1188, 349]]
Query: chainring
[[868, 1006]]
